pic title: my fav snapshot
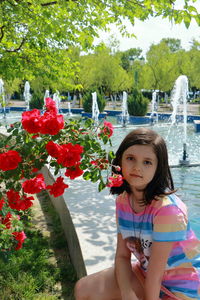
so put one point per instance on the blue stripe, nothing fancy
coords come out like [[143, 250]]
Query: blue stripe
[[131, 224], [196, 264], [185, 291], [169, 236], [176, 258], [172, 198]]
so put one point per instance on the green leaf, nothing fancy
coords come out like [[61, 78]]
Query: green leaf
[[87, 175], [101, 186]]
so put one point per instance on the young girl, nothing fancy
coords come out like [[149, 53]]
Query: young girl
[[152, 224]]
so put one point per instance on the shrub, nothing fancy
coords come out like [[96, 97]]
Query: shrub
[[137, 104], [37, 101], [87, 102]]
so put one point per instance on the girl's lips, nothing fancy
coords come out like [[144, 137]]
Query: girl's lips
[[135, 175]]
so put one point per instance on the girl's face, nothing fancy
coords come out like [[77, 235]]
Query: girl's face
[[139, 164]]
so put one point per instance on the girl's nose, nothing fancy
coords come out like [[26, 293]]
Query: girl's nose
[[136, 166]]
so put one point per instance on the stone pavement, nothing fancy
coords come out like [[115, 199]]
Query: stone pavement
[[93, 215]]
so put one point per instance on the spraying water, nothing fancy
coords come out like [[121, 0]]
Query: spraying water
[[95, 108], [46, 95], [56, 98], [179, 96], [2, 98], [154, 106], [125, 114], [69, 109], [27, 95]]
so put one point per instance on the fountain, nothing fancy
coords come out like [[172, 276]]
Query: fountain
[[125, 114], [95, 108], [56, 98], [154, 108], [179, 96], [69, 109], [27, 95], [2, 98], [46, 95]]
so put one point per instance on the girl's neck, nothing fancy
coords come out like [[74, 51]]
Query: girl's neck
[[137, 200], [137, 195]]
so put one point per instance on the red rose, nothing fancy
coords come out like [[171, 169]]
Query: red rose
[[51, 105], [31, 121], [51, 123], [1, 203], [115, 181], [13, 199], [108, 128], [35, 185], [57, 189], [34, 170], [9, 160], [53, 149], [74, 171], [69, 155], [7, 220], [20, 237], [15, 202]]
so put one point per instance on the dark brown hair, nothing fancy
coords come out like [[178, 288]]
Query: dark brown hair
[[162, 182]]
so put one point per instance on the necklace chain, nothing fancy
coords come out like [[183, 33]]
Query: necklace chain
[[137, 239]]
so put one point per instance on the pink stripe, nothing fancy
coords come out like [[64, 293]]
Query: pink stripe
[[124, 207], [169, 210], [187, 276]]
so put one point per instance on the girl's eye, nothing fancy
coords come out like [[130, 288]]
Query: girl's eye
[[129, 158], [147, 162]]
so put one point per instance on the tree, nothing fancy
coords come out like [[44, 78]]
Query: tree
[[192, 65], [34, 35], [137, 104], [102, 71], [160, 70], [129, 56], [28, 27], [173, 44]]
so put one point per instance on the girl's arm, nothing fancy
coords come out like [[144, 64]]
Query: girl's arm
[[123, 270], [159, 255]]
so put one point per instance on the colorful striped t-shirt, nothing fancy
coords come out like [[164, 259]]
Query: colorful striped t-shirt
[[163, 220]]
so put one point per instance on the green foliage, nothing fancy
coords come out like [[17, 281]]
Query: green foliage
[[137, 104], [28, 272], [37, 101], [37, 37], [87, 102], [128, 57], [102, 71]]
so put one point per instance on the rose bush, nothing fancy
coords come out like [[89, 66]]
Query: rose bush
[[73, 148]]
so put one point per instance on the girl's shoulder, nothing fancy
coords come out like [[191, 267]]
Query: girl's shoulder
[[123, 203], [122, 198], [169, 202]]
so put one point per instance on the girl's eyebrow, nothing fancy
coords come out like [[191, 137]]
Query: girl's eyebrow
[[145, 158]]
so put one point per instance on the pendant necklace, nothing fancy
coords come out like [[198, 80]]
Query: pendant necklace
[[137, 240]]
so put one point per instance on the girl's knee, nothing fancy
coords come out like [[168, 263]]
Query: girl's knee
[[80, 290]]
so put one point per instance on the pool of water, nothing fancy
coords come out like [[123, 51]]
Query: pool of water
[[186, 180]]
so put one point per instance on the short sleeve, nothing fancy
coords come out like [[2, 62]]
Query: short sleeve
[[117, 214], [170, 224]]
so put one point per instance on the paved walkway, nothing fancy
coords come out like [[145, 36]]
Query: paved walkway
[[93, 215]]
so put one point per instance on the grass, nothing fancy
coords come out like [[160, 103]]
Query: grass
[[42, 269]]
